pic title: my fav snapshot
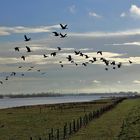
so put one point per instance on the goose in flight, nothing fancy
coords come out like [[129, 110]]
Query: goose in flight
[[45, 55], [13, 74], [106, 62], [130, 62], [32, 67], [23, 57], [28, 49], [86, 56], [106, 69], [72, 61], [99, 52], [6, 77], [55, 33], [17, 49], [113, 63], [59, 49], [26, 38], [69, 58], [53, 54], [91, 61], [76, 52], [20, 67], [29, 69], [119, 65], [84, 64], [63, 35], [94, 59], [81, 54], [63, 26]]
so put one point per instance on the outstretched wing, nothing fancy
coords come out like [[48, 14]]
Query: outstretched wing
[[25, 37], [28, 49], [61, 25]]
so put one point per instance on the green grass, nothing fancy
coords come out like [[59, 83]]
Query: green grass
[[131, 125], [20, 123], [109, 125]]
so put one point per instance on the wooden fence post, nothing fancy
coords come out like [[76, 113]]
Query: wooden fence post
[[77, 124], [74, 127], [57, 135], [80, 122], [86, 117], [65, 131], [70, 131], [49, 136]]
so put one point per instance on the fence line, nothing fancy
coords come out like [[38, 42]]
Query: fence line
[[76, 124]]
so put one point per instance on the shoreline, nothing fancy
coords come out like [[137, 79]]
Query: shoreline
[[2, 96], [40, 101], [98, 101]]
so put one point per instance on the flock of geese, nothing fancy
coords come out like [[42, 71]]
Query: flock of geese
[[89, 60]]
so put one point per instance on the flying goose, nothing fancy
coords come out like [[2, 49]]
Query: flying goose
[[26, 38], [63, 26]]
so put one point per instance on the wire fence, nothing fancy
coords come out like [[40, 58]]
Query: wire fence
[[76, 124]]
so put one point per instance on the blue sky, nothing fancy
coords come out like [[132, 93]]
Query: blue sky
[[93, 25], [49, 12]]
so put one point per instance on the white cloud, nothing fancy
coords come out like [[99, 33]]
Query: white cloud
[[135, 11], [93, 14], [123, 14], [4, 30], [125, 44], [131, 32], [96, 81], [118, 82], [3, 33], [38, 58], [72, 9], [136, 81]]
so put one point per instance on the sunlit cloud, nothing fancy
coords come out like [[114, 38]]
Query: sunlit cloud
[[136, 81], [4, 30], [96, 82], [131, 32], [135, 11], [93, 14], [123, 15], [125, 44], [8, 60]]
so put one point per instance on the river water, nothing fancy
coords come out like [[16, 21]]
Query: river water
[[14, 102]]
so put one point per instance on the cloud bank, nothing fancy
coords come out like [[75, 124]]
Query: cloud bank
[[4, 30]]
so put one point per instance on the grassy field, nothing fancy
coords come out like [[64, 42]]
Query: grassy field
[[121, 123], [36, 121]]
